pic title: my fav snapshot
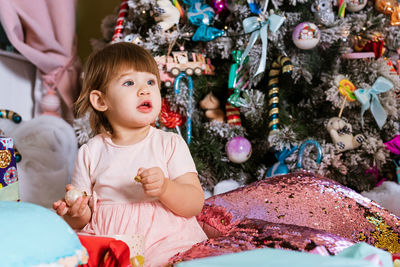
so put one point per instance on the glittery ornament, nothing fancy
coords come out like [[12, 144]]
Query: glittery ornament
[[253, 234], [305, 199], [355, 5], [306, 35], [238, 149], [220, 8], [391, 8], [323, 12], [284, 65]]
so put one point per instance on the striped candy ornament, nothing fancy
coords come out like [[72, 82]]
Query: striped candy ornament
[[119, 26], [169, 118], [232, 113], [282, 63]]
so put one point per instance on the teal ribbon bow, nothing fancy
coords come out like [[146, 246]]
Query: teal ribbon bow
[[260, 27], [369, 99]]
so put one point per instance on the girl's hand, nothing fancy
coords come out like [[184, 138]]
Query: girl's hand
[[153, 181], [77, 209]]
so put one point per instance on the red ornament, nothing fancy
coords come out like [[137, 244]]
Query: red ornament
[[169, 118], [119, 26]]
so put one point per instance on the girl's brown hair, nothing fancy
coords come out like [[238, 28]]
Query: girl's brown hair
[[104, 65]]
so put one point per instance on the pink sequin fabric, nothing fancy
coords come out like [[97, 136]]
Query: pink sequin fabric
[[305, 199], [298, 211], [252, 234]]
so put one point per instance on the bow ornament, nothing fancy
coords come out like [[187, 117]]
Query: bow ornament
[[259, 27], [369, 99]]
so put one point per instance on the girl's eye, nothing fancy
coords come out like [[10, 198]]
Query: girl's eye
[[151, 82], [128, 83]]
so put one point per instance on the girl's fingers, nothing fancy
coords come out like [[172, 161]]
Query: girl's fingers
[[73, 210], [83, 207], [62, 209], [69, 187]]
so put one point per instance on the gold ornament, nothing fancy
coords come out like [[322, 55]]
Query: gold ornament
[[389, 7]]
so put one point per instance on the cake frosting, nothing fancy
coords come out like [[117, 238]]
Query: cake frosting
[[35, 236]]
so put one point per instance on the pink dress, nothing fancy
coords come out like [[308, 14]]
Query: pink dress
[[106, 171]]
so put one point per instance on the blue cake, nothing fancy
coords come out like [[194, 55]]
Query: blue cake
[[35, 236]]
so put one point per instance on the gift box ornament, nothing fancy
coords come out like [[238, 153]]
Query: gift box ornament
[[9, 190]]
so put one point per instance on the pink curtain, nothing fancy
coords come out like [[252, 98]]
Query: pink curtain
[[44, 32]]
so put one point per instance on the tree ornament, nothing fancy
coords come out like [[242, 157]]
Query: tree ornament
[[238, 149], [323, 12], [233, 112], [342, 8], [280, 167], [346, 89], [306, 35], [303, 147], [282, 63], [190, 104], [241, 81], [258, 27], [72, 195], [254, 6], [169, 118], [355, 5], [220, 8], [210, 104], [119, 26], [369, 99], [180, 62], [178, 6], [202, 15], [391, 8], [168, 15], [341, 134], [369, 41]]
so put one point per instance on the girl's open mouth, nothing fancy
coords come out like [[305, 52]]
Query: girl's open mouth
[[145, 106]]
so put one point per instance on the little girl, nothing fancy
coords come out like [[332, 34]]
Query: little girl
[[121, 91]]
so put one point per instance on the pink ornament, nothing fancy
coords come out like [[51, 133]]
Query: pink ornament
[[306, 35], [219, 7], [50, 103], [238, 149]]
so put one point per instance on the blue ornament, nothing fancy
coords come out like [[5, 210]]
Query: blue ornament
[[301, 151], [190, 106], [200, 14], [280, 167], [205, 33]]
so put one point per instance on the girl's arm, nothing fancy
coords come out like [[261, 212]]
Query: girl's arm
[[183, 195]]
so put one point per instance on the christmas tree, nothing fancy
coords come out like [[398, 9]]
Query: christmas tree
[[309, 84]]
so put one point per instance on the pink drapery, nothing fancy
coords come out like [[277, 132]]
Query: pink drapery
[[44, 32]]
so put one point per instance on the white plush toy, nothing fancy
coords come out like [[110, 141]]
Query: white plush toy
[[48, 147], [168, 14], [341, 134], [387, 195]]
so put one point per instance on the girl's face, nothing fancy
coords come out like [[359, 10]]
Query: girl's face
[[133, 100]]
